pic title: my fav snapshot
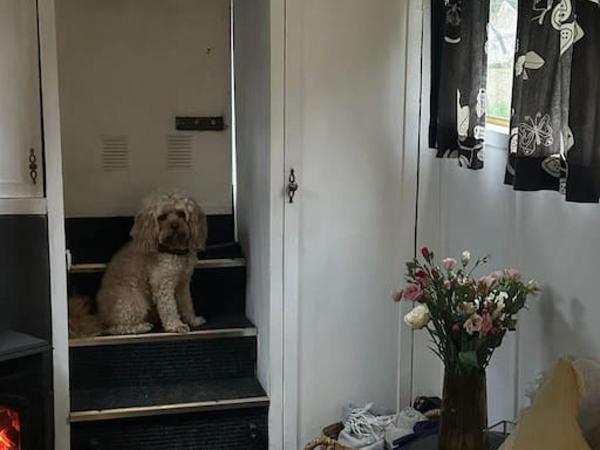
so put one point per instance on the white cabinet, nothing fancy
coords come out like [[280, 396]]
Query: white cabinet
[[21, 161]]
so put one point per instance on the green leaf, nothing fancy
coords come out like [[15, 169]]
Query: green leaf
[[468, 359]]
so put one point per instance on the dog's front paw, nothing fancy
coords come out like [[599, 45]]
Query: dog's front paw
[[196, 321], [179, 327]]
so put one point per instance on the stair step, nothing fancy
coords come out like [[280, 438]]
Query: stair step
[[217, 290], [221, 263], [243, 429], [217, 328], [96, 239], [161, 362], [135, 401]]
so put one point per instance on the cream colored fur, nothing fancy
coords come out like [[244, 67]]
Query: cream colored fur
[[148, 280]]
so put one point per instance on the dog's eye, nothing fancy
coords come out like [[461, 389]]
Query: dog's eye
[[162, 217], [181, 214]]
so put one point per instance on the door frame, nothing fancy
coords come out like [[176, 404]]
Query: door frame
[[280, 405], [56, 222]]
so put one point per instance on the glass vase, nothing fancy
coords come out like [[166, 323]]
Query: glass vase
[[464, 411]]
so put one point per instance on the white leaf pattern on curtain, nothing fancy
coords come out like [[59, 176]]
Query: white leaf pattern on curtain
[[459, 66], [555, 123]]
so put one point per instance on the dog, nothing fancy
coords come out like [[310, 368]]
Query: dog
[[148, 280]]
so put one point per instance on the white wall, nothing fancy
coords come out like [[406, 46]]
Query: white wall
[[252, 92], [127, 68], [539, 233], [546, 238], [259, 92], [345, 117]]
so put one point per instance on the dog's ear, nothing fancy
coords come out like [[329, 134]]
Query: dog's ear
[[198, 225], [145, 229]]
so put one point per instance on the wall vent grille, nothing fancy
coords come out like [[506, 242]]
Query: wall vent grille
[[179, 152], [115, 153]]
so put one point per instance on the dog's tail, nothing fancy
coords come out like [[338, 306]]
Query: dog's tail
[[82, 321]]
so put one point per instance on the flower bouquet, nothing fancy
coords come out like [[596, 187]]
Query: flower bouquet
[[467, 319]]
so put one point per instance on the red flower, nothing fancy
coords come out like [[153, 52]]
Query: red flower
[[413, 293], [425, 252], [456, 328], [421, 276]]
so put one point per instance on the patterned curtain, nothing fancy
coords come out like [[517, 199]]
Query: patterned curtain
[[459, 66], [555, 123]]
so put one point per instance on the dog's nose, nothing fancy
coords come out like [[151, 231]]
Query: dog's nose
[[175, 225]]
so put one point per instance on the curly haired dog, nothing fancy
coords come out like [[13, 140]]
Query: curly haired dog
[[148, 280]]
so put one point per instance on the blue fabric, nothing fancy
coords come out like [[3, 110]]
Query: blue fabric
[[421, 430]]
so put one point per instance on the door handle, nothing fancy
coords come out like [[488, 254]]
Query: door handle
[[292, 186]]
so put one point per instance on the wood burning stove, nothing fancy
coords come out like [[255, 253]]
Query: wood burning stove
[[10, 428], [25, 393]]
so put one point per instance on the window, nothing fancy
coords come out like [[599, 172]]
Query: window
[[501, 49]]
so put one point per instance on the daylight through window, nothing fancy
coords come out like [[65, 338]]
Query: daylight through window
[[501, 47]]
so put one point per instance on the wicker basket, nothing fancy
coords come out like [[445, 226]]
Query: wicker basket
[[328, 440]]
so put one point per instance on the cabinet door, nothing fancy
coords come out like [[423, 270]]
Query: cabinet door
[[20, 112]]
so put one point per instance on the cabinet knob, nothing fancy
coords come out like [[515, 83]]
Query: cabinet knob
[[33, 167]]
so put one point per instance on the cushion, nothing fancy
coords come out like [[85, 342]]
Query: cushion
[[551, 422], [588, 371]]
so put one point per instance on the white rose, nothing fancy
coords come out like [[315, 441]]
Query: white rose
[[418, 318], [499, 307], [465, 257]]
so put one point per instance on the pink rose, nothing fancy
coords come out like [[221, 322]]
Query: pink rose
[[447, 285], [473, 324], [413, 293], [498, 275], [486, 282], [397, 295], [449, 263], [486, 324], [456, 328], [513, 274]]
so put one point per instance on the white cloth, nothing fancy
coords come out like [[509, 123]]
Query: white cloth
[[403, 426], [364, 429]]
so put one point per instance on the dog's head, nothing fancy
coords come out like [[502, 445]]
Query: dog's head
[[171, 221]]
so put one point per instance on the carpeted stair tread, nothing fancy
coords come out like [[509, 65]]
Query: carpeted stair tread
[[243, 429], [103, 398]]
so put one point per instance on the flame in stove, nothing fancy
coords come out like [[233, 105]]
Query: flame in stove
[[10, 428]]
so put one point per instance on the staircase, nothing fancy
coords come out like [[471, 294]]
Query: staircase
[[161, 390]]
